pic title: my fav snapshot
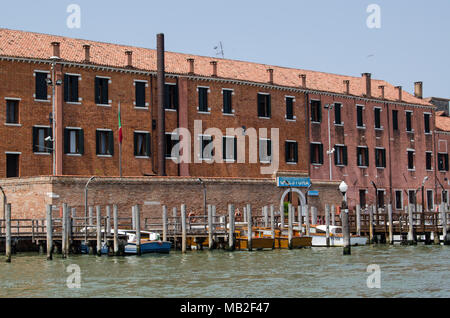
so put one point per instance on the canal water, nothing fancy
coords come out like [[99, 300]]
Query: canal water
[[418, 271]]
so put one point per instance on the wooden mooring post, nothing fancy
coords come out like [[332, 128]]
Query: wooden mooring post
[[164, 221], [313, 215], [210, 228], [282, 216], [333, 215], [307, 220], [91, 215], [231, 224], [108, 221], [358, 219], [137, 215], [99, 230], [183, 229], [116, 229], [249, 227], [8, 232], [391, 225], [266, 216], [371, 209], [346, 230], [300, 219], [49, 229], [290, 231], [327, 223], [272, 221], [445, 233], [411, 234], [64, 233]]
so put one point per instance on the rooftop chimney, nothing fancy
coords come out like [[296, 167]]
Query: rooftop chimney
[[367, 77], [87, 53], [129, 55], [214, 65], [381, 87], [399, 92], [418, 89], [56, 50], [303, 78], [270, 71], [347, 87], [191, 66]]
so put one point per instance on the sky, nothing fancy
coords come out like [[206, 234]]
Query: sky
[[405, 40]]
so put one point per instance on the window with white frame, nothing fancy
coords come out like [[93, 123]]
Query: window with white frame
[[229, 148], [73, 141], [398, 199], [265, 150], [206, 147]]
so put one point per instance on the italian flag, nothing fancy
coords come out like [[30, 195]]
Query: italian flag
[[120, 127]]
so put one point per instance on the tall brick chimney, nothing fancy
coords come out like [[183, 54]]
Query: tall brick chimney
[[418, 89], [214, 68], [399, 88], [347, 87], [270, 71], [303, 78], [129, 55], [381, 87], [56, 50], [87, 53], [191, 62], [368, 80]]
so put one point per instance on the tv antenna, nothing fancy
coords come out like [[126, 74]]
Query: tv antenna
[[219, 50]]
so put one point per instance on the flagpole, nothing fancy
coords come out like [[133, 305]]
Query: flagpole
[[120, 145]]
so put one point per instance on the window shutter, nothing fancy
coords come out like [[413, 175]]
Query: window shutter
[[75, 89], [175, 97], [97, 92], [235, 148], [105, 92], [35, 141], [344, 151], [111, 143], [66, 140], [97, 145], [66, 87], [311, 153], [319, 113], [367, 155], [336, 155], [260, 106], [384, 158], [286, 151], [321, 154], [269, 106], [296, 152], [135, 140], [81, 141], [446, 162], [148, 143]]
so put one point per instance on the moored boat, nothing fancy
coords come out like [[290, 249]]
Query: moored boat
[[318, 234]]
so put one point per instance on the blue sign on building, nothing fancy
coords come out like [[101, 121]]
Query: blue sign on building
[[313, 193], [293, 182]]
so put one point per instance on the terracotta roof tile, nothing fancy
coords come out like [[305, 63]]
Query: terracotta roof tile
[[442, 121], [34, 45]]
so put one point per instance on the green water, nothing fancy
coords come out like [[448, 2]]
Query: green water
[[419, 271]]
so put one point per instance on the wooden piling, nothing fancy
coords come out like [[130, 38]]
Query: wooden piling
[[327, 224], [175, 220], [391, 228], [245, 214], [358, 219], [333, 215], [346, 231], [266, 216], [73, 215], [231, 241], [64, 233], [445, 225], [272, 221], [249, 227], [8, 232], [133, 217], [290, 231], [108, 220], [300, 219], [164, 221], [49, 229], [411, 238], [314, 215], [116, 234], [210, 228], [91, 216], [282, 216], [183, 228], [137, 215], [99, 230], [371, 234], [307, 220]]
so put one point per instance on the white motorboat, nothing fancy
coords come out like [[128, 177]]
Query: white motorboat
[[318, 234]]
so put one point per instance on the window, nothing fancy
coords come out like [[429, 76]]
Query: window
[[362, 154], [142, 144], [340, 155], [12, 165], [171, 150], [443, 161], [265, 150], [429, 160], [377, 118], [71, 88], [409, 121], [291, 151], [101, 91], [171, 96], [426, 118], [73, 141], [263, 105], [206, 147], [380, 198], [444, 195], [41, 86], [395, 120], [227, 101], [337, 114], [12, 111], [140, 93], [105, 142], [317, 153], [411, 197], [290, 108], [398, 200], [411, 160], [362, 198], [41, 141], [203, 99], [359, 116], [430, 204], [316, 111], [229, 148], [380, 157]]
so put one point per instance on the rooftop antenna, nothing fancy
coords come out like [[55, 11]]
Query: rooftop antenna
[[219, 50]]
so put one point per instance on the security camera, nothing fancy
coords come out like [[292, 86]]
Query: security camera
[[49, 82], [331, 151], [48, 138]]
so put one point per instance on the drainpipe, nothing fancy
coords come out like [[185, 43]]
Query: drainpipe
[[161, 112], [389, 149]]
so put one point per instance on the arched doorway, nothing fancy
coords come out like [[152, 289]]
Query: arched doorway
[[301, 196]]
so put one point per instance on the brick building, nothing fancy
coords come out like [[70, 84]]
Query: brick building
[[90, 80]]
